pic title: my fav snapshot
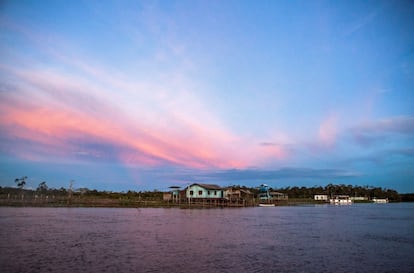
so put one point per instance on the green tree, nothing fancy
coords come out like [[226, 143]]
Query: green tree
[[21, 182], [42, 187]]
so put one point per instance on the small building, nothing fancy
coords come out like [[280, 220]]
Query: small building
[[237, 194], [341, 200], [380, 200], [321, 197], [204, 191], [265, 195], [278, 195], [174, 195]]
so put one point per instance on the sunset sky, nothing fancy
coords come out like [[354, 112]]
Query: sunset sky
[[142, 95]]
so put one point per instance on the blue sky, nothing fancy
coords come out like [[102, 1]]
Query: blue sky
[[141, 95]]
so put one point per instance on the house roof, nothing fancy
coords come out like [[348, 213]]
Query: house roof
[[246, 191], [231, 189], [208, 186]]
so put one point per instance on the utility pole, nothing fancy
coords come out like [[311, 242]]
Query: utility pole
[[70, 191]]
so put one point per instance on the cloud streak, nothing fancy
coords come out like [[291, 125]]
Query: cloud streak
[[250, 175], [374, 131], [143, 122]]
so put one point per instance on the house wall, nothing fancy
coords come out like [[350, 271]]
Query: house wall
[[205, 193], [321, 197], [167, 196], [230, 193]]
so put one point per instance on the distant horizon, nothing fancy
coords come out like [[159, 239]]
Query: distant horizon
[[147, 94]]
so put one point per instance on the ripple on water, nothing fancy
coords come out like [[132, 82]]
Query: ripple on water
[[289, 239]]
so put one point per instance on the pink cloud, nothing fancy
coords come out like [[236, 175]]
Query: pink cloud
[[53, 129], [328, 131], [146, 122]]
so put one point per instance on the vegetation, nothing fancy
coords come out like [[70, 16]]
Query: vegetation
[[363, 191], [407, 197], [331, 189], [42, 187], [20, 182], [46, 196]]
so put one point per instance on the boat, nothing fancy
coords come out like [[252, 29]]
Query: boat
[[341, 200], [266, 205], [380, 200]]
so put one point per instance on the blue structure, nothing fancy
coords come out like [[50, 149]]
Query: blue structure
[[264, 194], [267, 196]]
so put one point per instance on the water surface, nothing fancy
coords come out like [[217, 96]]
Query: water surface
[[357, 238]]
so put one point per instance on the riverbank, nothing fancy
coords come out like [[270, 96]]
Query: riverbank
[[127, 203], [17, 197]]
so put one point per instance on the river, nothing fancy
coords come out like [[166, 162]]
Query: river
[[323, 238]]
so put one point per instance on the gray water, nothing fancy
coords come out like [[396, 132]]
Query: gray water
[[356, 238]]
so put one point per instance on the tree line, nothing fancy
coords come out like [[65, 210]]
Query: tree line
[[341, 189], [44, 190], [292, 192]]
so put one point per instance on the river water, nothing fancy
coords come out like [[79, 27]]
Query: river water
[[325, 238]]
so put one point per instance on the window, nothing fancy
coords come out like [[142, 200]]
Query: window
[[215, 192], [200, 192], [208, 192], [191, 192]]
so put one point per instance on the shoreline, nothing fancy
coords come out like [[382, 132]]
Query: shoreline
[[150, 204]]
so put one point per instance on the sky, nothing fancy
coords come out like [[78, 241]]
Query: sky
[[143, 95]]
